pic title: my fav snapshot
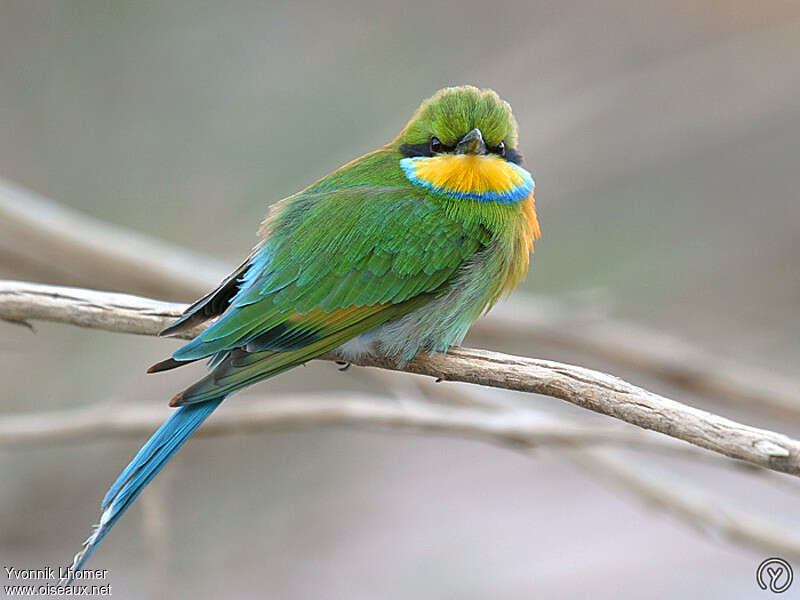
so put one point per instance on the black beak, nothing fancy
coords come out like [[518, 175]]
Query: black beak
[[472, 143]]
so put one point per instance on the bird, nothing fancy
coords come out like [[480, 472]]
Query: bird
[[394, 254]]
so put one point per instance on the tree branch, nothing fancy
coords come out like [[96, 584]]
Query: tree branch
[[648, 351], [508, 427], [43, 238], [55, 239], [589, 389], [515, 429], [705, 512]]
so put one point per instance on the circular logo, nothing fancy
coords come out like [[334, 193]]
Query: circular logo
[[774, 574]]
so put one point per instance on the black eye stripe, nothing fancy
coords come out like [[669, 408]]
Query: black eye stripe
[[512, 155], [411, 150]]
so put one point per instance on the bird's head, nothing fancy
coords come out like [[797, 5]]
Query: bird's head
[[462, 143]]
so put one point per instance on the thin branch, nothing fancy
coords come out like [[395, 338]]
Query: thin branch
[[55, 239], [110, 311], [43, 238], [518, 430], [514, 428], [653, 352], [589, 389], [497, 399], [705, 512]]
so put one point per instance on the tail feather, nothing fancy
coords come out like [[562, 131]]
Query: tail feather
[[145, 465], [233, 370]]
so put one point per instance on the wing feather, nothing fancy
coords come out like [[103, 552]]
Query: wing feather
[[355, 249], [333, 265]]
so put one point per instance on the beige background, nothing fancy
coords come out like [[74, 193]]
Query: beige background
[[664, 138]]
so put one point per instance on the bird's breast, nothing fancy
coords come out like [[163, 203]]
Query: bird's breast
[[486, 178]]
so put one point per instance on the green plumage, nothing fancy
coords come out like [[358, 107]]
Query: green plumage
[[454, 111], [360, 249], [395, 253], [357, 247]]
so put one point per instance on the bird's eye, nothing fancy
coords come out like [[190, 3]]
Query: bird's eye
[[501, 149], [436, 145]]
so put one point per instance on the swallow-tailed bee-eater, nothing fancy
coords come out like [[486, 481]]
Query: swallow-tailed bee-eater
[[396, 253]]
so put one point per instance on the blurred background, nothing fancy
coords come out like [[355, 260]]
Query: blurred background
[[664, 137]]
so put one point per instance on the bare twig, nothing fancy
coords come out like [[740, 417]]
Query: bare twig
[[586, 388], [517, 428], [45, 239], [634, 475], [653, 352], [705, 512], [56, 240]]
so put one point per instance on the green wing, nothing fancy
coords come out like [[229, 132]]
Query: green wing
[[334, 264]]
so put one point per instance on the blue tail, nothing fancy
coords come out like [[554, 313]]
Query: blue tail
[[145, 465]]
